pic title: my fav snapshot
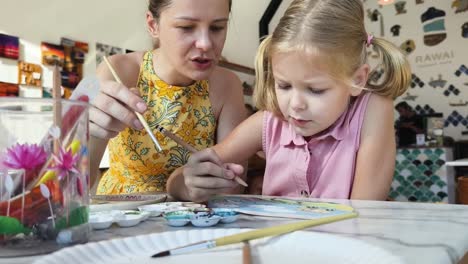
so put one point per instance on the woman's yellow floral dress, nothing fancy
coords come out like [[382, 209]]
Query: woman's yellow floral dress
[[135, 164]]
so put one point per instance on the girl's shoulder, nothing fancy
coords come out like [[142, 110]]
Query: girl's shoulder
[[377, 102], [379, 113]]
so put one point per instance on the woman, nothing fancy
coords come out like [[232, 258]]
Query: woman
[[177, 86]]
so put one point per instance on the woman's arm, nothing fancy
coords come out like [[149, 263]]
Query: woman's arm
[[376, 156], [205, 174], [226, 96], [112, 108]]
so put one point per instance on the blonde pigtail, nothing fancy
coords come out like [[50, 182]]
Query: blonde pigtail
[[397, 70]]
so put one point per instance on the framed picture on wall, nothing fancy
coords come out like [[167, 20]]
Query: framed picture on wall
[[105, 50], [52, 54], [9, 89], [246, 75], [9, 47]]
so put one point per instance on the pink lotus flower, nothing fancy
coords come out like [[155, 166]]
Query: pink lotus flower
[[65, 163], [24, 156]]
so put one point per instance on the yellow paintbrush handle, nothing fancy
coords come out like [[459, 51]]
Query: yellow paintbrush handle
[[279, 230]]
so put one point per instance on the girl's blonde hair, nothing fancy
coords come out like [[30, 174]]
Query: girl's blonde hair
[[334, 32]]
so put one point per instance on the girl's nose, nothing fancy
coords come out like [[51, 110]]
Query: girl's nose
[[297, 101], [204, 41]]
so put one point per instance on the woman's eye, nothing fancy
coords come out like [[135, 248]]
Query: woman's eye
[[217, 28], [185, 28]]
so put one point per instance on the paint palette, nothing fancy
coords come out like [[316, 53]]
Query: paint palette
[[161, 208], [128, 218], [201, 217]]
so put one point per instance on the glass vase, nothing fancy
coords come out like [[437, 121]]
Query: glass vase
[[44, 175]]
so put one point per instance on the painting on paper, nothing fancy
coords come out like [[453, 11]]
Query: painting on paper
[[279, 207]]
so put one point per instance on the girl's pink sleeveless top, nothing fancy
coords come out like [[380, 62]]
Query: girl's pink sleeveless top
[[323, 167]]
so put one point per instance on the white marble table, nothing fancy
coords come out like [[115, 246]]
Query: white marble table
[[459, 162], [417, 232]]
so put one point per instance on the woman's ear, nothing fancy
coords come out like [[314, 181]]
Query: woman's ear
[[360, 79], [152, 25]]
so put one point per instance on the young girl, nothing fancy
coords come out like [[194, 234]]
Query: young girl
[[325, 130]]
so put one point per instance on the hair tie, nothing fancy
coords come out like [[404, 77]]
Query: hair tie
[[369, 40]]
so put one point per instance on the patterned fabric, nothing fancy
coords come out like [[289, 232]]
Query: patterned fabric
[[135, 164]]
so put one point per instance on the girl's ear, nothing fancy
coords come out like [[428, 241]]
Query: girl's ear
[[152, 24], [360, 79]]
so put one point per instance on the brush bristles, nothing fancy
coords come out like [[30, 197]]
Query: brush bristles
[[162, 254]]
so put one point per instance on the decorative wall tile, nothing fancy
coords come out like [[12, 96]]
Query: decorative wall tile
[[456, 119], [424, 110], [451, 90], [433, 34], [461, 70], [416, 82], [421, 176]]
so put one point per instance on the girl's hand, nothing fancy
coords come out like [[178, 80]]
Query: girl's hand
[[206, 175], [113, 110]]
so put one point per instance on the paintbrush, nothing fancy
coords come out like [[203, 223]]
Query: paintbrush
[[57, 108], [190, 148], [140, 117], [251, 235]]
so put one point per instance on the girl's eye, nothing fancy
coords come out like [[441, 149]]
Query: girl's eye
[[317, 91], [283, 86]]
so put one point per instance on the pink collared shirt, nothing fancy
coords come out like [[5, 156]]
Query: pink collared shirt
[[323, 167]]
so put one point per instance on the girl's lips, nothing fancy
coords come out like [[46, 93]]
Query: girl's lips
[[299, 122]]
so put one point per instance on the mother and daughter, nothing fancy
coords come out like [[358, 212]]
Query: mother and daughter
[[326, 131]]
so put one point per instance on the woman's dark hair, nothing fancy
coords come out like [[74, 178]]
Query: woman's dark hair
[[157, 6]]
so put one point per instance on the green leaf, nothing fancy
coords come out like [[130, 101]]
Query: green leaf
[[78, 216], [12, 226], [144, 151], [203, 123], [137, 145], [130, 141], [134, 157]]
